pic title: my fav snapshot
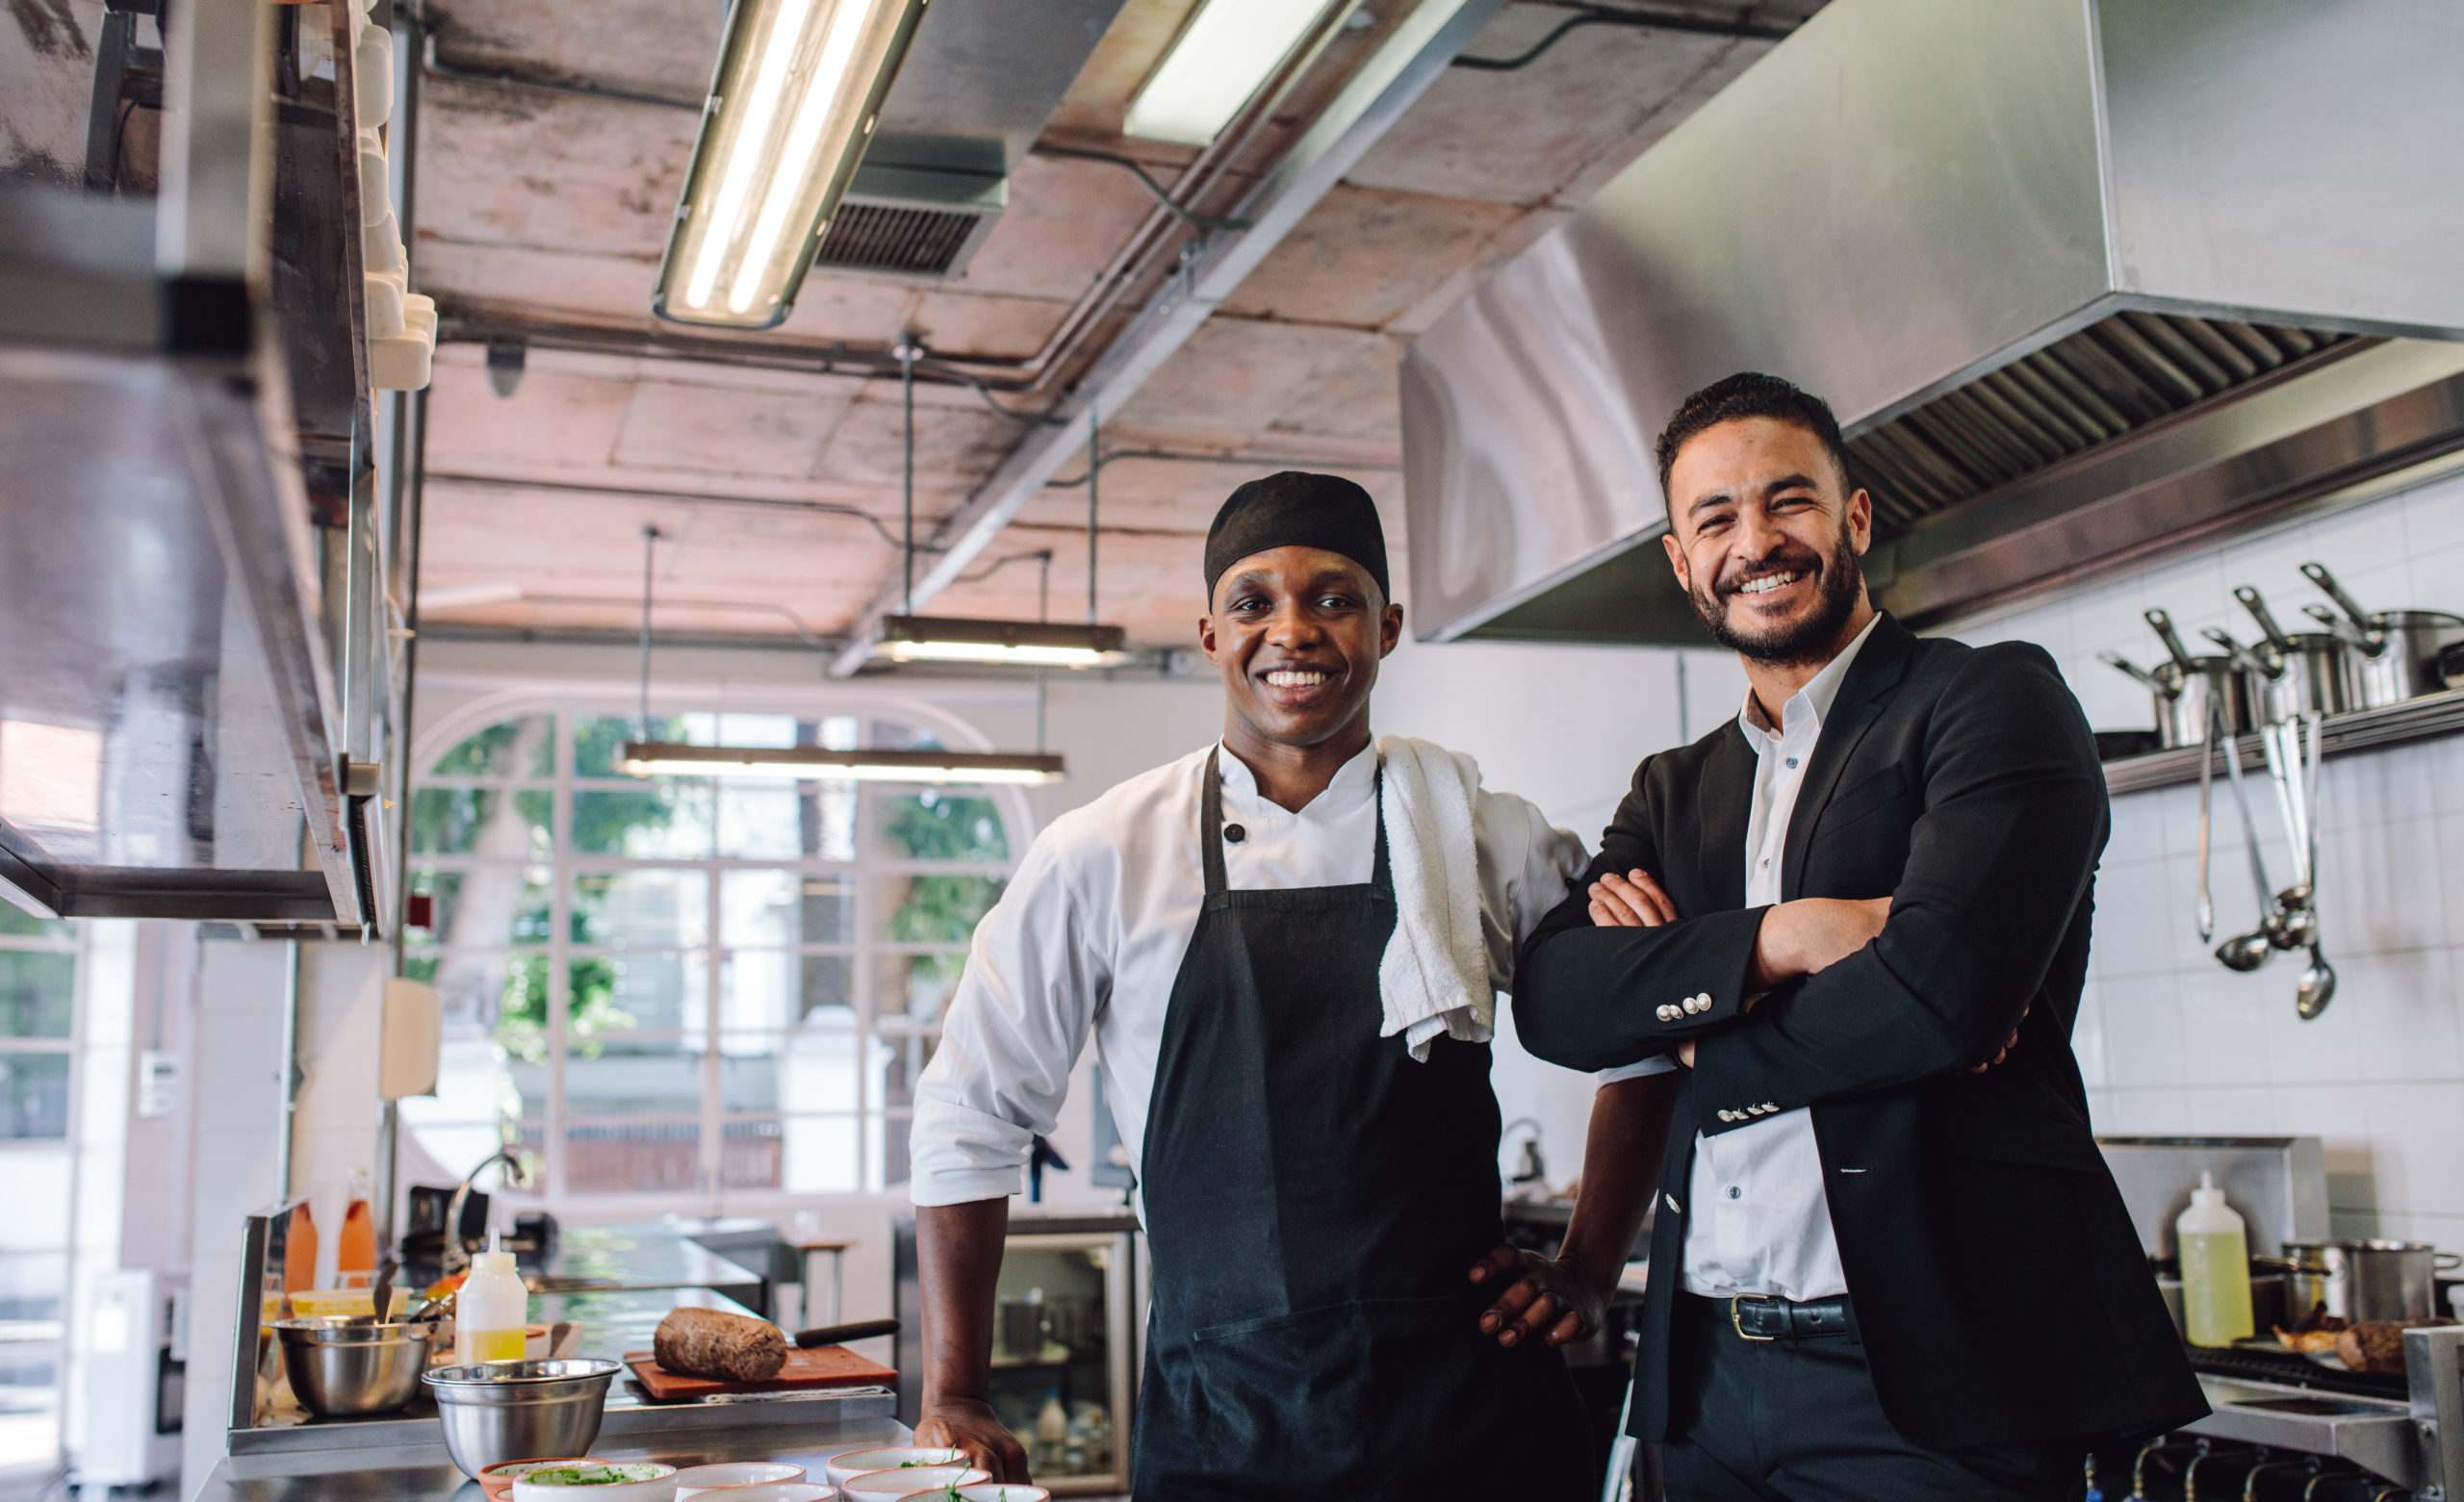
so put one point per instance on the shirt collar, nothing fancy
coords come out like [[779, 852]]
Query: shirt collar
[[1349, 789], [1811, 703]]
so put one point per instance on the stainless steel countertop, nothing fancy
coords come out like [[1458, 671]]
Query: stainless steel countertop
[[803, 1430]]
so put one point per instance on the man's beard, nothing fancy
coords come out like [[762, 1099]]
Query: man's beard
[[1838, 582]]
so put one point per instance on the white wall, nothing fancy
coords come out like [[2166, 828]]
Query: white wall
[[2170, 1041]]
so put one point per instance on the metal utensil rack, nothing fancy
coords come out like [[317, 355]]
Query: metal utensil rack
[[2428, 718]]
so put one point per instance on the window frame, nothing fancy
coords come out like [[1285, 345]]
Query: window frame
[[877, 1125]]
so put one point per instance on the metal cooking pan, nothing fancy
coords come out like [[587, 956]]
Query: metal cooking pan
[[2184, 687], [2307, 671], [2392, 656]]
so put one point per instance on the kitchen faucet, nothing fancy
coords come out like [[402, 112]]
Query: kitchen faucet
[[457, 1256]]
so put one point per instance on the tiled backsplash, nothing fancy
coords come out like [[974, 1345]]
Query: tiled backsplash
[[2172, 1042]]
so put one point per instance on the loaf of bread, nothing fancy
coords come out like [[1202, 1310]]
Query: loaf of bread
[[708, 1342]]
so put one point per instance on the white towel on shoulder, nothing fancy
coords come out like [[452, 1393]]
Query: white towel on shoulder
[[1434, 976]]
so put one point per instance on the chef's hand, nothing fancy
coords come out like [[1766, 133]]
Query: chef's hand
[[967, 1424], [1632, 901], [1553, 1300], [2004, 1051]]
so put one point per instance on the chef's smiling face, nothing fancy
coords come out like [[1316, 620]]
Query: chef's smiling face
[[1765, 534], [1297, 634]]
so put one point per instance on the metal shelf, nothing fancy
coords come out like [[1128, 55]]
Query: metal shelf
[[2428, 718]]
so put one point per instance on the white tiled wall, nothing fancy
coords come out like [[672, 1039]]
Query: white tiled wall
[[2172, 1042]]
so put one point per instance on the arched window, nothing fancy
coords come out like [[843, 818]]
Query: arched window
[[707, 990]]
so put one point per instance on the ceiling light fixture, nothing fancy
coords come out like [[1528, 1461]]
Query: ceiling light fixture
[[798, 87], [653, 759], [1025, 642], [1039, 643], [1226, 51], [813, 763]]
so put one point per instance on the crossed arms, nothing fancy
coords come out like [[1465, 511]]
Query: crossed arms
[[1845, 997]]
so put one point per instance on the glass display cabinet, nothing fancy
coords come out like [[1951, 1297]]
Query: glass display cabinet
[[1065, 1345]]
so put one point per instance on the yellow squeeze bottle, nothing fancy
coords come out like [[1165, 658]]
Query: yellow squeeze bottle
[[492, 1310], [2216, 1268]]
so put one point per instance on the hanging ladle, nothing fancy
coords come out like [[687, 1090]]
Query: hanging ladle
[[2246, 952], [2206, 785], [2316, 986]]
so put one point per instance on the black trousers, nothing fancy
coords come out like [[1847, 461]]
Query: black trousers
[[1757, 1420]]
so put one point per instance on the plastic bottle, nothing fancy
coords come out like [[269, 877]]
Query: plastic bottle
[[2216, 1268], [355, 1247], [299, 1251], [1052, 1430], [490, 1311]]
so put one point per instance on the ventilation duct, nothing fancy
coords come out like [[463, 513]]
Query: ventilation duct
[[2085, 281]]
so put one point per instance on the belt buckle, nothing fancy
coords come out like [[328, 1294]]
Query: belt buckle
[[1737, 1319]]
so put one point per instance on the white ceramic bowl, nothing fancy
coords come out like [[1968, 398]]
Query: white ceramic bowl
[[496, 1480], [697, 1479], [841, 1468], [887, 1486], [647, 1481], [1004, 1492], [773, 1491]]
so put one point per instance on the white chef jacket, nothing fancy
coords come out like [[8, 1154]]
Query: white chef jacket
[[1762, 1219], [1091, 931]]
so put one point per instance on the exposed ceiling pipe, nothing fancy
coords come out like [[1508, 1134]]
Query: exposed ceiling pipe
[[1394, 76]]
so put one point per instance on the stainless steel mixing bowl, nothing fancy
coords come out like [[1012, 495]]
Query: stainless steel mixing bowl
[[519, 1411], [338, 1367]]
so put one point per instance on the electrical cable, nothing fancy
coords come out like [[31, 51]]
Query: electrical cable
[[1234, 459], [1642, 20], [827, 508], [1137, 169], [1044, 555]]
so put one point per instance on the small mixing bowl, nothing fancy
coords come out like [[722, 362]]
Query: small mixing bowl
[[340, 1368], [519, 1411]]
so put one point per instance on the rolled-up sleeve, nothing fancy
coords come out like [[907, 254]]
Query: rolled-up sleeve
[[1011, 1035]]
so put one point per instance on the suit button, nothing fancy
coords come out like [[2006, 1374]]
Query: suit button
[[1669, 1014], [1727, 1115], [1705, 997], [1674, 1208]]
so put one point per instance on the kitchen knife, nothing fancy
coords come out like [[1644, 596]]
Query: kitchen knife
[[835, 1334]]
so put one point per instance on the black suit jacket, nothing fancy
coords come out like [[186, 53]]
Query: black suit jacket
[[1999, 1288]]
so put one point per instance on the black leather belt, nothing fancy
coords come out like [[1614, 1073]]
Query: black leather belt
[[1763, 1316]]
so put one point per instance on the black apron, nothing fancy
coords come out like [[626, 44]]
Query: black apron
[[1314, 1201]]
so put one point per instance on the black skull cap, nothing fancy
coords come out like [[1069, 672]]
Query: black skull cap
[[1297, 509]]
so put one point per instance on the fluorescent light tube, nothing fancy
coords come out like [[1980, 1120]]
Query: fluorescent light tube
[[797, 86], [814, 763], [1022, 643], [1228, 50]]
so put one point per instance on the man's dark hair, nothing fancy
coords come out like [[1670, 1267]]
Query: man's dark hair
[[1748, 394]]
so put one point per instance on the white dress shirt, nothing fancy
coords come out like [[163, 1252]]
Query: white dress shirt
[[1090, 933], [1762, 1219]]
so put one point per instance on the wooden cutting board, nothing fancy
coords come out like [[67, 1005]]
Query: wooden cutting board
[[824, 1366]]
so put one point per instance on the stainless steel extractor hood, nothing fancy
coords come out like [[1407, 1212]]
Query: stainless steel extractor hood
[[2084, 280]]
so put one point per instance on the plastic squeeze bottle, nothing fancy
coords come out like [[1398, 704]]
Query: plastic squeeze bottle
[[299, 1252], [491, 1309], [355, 1246], [2216, 1268]]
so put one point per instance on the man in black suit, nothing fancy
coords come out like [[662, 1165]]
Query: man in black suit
[[1889, 1261]]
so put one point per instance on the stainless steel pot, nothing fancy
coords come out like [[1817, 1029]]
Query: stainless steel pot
[[340, 1367], [2392, 656], [2307, 672], [2184, 687], [519, 1411], [2365, 1280]]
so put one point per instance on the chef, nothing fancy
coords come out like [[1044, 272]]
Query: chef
[[1288, 947]]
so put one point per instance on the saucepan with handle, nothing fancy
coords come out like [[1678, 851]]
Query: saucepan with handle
[[2394, 653]]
